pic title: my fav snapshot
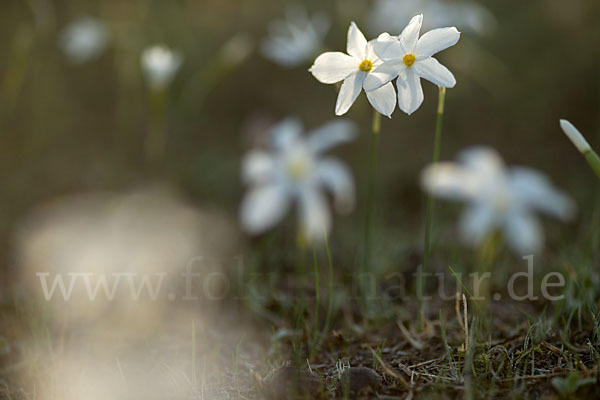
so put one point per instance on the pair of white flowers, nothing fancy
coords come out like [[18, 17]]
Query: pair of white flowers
[[373, 65]]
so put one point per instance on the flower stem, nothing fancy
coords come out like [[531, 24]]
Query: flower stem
[[592, 158], [156, 137], [484, 263], [430, 204], [368, 240], [330, 290], [320, 338], [317, 297]]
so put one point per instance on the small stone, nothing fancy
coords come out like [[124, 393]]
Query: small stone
[[291, 382], [357, 380]]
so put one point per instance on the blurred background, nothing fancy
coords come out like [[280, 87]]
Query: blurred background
[[70, 126], [80, 112]]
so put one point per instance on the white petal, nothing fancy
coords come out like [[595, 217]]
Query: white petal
[[575, 136], [357, 44], [476, 223], [523, 233], [410, 92], [435, 41], [383, 74], [337, 178], [533, 189], [349, 91], [388, 47], [435, 72], [330, 135], [315, 220], [257, 167], [287, 51], [410, 34], [286, 133], [450, 181], [296, 16], [467, 15], [320, 23], [333, 67], [483, 161], [383, 99], [263, 207]]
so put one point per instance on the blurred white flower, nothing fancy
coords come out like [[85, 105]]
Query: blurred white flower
[[409, 58], [84, 39], [297, 38], [498, 198], [160, 64], [468, 16], [353, 68], [294, 171], [237, 48]]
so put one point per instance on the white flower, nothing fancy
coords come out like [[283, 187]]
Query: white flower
[[294, 171], [296, 39], [236, 49], [575, 136], [353, 68], [409, 58], [468, 16], [498, 198], [160, 64], [84, 39]]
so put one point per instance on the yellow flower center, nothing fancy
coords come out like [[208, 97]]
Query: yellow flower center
[[501, 202], [366, 65], [409, 59], [297, 168]]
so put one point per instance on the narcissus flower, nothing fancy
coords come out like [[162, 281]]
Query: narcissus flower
[[498, 199], [296, 39], [409, 58], [84, 39], [353, 68], [160, 64], [294, 171]]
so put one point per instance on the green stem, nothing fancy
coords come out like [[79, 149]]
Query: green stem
[[376, 128], [330, 290], [319, 338], [592, 158], [15, 71], [317, 297], [430, 205], [484, 263], [301, 249], [156, 139]]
